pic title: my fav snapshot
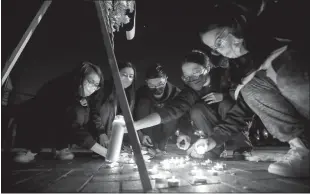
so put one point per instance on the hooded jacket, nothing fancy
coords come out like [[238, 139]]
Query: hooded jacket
[[184, 101], [107, 105], [51, 104]]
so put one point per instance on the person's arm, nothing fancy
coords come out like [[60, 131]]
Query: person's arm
[[148, 121], [97, 148], [234, 122], [173, 110], [95, 117]]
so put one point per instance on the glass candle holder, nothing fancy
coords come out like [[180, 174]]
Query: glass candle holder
[[173, 182], [116, 141]]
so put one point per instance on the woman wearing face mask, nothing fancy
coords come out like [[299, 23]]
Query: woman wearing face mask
[[274, 83], [154, 95], [203, 96], [109, 106], [60, 114]]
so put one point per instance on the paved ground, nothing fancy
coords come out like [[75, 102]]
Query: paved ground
[[88, 174]]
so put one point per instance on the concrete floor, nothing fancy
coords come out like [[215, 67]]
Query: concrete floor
[[89, 174]]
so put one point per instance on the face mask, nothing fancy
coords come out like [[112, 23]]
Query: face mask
[[158, 91], [198, 84], [126, 82]]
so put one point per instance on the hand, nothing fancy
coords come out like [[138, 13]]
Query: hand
[[194, 154], [187, 141], [213, 98], [202, 146], [104, 140], [146, 140]]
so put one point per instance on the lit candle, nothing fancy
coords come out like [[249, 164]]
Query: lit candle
[[213, 172], [166, 165], [113, 164], [219, 166], [200, 179], [153, 170], [200, 149], [159, 178], [195, 171], [173, 182]]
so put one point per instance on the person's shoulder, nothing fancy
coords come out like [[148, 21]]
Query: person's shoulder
[[142, 91]]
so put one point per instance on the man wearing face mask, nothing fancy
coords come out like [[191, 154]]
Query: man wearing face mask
[[205, 97], [151, 97]]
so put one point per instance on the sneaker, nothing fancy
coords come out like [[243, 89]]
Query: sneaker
[[64, 154], [295, 163], [25, 157]]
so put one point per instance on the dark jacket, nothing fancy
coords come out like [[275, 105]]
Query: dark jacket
[[184, 101], [146, 103], [51, 104], [235, 118], [107, 107], [144, 94]]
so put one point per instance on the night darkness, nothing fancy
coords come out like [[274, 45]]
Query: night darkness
[[69, 33]]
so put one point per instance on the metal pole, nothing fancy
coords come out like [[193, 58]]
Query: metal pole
[[23, 42], [145, 180]]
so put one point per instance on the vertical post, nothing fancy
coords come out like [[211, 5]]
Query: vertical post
[[145, 180], [23, 42]]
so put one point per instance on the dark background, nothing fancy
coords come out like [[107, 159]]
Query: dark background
[[69, 33]]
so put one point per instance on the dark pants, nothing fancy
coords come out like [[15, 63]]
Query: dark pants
[[206, 117], [281, 101], [55, 129], [160, 134]]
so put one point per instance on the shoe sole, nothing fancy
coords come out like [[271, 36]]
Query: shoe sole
[[285, 172]]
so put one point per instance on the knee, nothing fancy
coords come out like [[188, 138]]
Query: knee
[[78, 115], [225, 106], [197, 111]]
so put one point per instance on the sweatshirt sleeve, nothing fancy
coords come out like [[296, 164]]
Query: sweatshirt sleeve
[[82, 137], [178, 106], [234, 122], [95, 117]]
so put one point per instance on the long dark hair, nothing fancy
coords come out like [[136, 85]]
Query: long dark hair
[[131, 90], [84, 69]]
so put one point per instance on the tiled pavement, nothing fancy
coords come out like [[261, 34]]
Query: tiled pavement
[[89, 174]]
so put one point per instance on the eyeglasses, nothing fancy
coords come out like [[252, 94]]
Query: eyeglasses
[[195, 76], [93, 84], [221, 41], [159, 85]]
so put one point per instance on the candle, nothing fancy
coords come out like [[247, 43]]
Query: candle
[[116, 140], [113, 164], [159, 178], [213, 172], [195, 171], [173, 182], [166, 165], [219, 166], [200, 179], [200, 149], [153, 170]]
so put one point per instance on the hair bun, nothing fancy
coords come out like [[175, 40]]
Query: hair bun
[[155, 71]]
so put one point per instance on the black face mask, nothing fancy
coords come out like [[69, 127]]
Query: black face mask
[[158, 91], [198, 84]]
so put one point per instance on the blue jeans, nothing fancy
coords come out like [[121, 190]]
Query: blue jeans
[[281, 101]]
